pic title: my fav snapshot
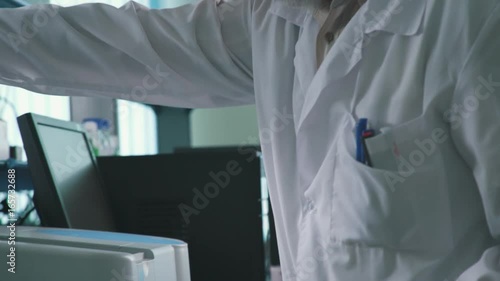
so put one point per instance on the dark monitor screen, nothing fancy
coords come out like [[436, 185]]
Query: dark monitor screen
[[67, 184]]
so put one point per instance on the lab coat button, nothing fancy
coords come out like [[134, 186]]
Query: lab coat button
[[329, 37]]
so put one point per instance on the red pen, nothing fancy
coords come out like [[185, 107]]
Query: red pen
[[366, 134]]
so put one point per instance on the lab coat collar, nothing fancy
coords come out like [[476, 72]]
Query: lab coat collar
[[403, 17], [295, 15]]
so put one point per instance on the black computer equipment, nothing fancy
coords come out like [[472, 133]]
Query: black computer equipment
[[68, 188], [252, 153], [216, 201]]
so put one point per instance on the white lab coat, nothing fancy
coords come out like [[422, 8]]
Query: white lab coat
[[426, 72]]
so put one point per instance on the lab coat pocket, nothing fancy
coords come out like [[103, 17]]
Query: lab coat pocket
[[390, 208]]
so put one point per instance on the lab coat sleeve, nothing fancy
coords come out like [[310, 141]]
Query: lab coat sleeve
[[475, 130], [197, 55]]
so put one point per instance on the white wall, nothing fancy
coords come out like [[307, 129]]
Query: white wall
[[232, 126]]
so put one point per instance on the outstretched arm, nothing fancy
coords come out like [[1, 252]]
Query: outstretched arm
[[196, 55]]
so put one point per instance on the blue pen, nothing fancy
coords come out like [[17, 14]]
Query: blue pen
[[361, 126]]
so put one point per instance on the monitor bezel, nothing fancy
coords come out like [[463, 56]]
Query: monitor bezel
[[48, 203]]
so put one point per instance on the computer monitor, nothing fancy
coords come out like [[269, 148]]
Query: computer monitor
[[68, 188]]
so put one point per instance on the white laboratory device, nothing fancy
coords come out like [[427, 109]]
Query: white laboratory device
[[55, 254]]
